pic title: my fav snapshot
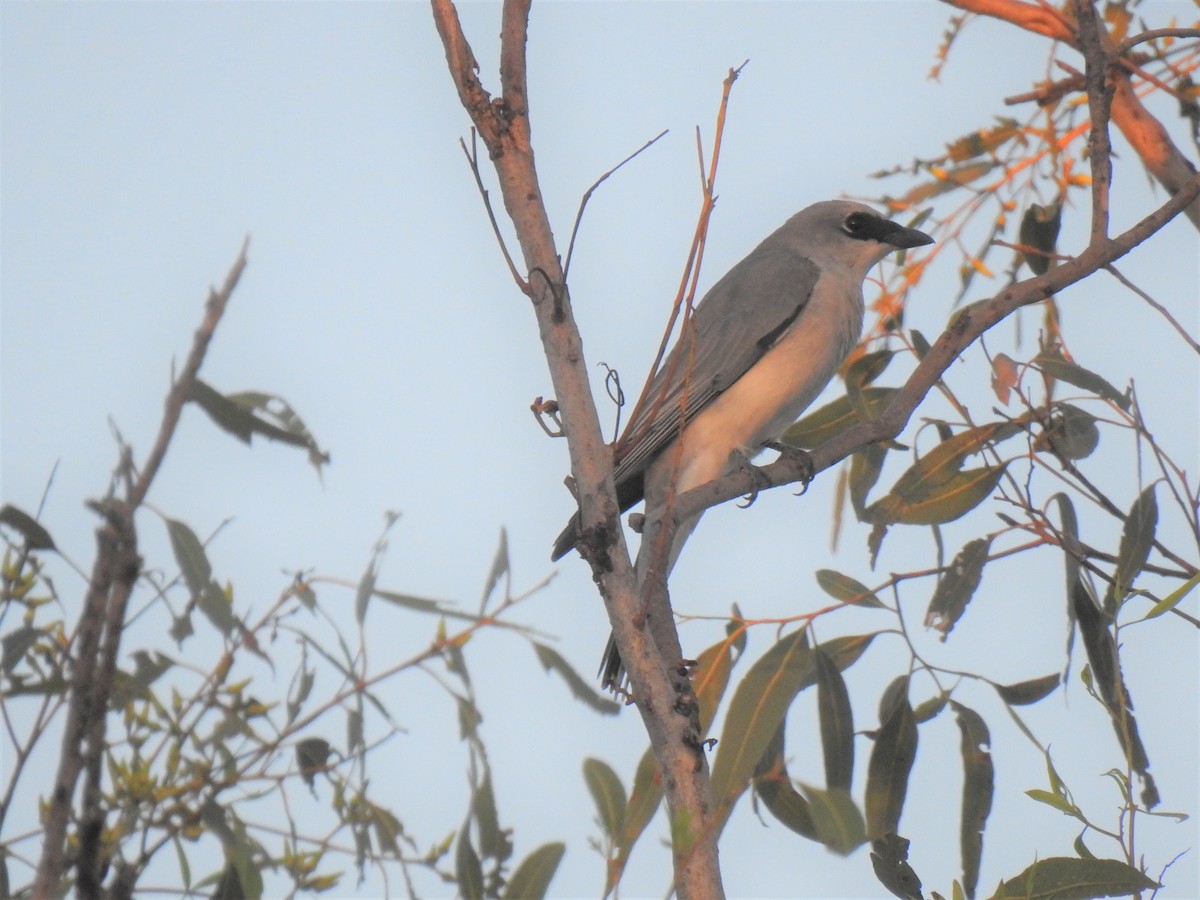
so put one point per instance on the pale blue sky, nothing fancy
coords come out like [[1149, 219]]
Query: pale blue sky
[[142, 142]]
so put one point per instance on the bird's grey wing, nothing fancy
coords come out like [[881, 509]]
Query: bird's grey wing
[[737, 321]]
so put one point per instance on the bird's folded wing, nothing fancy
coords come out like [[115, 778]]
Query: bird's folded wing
[[738, 320]]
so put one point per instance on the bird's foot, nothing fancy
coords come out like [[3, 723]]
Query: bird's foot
[[800, 460], [739, 460]]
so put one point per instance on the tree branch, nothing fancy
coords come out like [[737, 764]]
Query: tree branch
[[674, 733], [1162, 159], [98, 641], [966, 327]]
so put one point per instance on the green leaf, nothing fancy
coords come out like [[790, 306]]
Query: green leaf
[[35, 534], [1025, 692], [1071, 433], [644, 800], [889, 859], [500, 566], [1169, 602], [710, 678], [581, 689], [248, 413], [760, 703], [935, 488], [1137, 538], [1068, 878], [930, 504], [15, 644], [957, 586], [830, 420], [837, 820], [1060, 368], [608, 794], [978, 788], [866, 465], [311, 756], [773, 786], [891, 761], [190, 557], [493, 842], [467, 868], [217, 606], [844, 588], [533, 876], [837, 724]]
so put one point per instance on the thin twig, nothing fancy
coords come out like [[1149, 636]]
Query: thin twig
[[1158, 307], [472, 156], [588, 195]]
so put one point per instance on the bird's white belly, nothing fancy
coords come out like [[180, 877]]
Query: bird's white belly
[[760, 405]]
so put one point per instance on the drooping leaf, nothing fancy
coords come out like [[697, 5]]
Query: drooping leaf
[[889, 859], [494, 842], [35, 534], [1071, 433], [644, 800], [1068, 878], [467, 868], [957, 586], [581, 689], [1137, 538], [760, 703], [1104, 663], [978, 787], [773, 786], [838, 821], [217, 605], [848, 590], [836, 721], [1025, 692], [190, 557], [1039, 230], [891, 761], [1059, 367], [15, 644], [311, 756], [866, 465], [710, 678], [608, 794], [500, 567], [533, 876]]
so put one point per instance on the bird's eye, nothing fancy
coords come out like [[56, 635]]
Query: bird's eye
[[855, 224]]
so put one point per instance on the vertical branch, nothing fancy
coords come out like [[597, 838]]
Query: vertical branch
[[98, 642], [505, 128], [1099, 86]]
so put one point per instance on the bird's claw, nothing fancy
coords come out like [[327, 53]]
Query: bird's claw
[[799, 458]]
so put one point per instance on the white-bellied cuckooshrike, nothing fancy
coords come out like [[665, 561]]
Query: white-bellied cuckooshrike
[[761, 345]]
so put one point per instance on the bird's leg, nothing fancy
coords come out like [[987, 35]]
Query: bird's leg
[[799, 459], [738, 459]]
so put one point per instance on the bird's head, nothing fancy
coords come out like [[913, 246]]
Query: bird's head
[[845, 236]]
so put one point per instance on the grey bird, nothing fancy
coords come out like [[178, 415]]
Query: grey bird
[[763, 343]]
